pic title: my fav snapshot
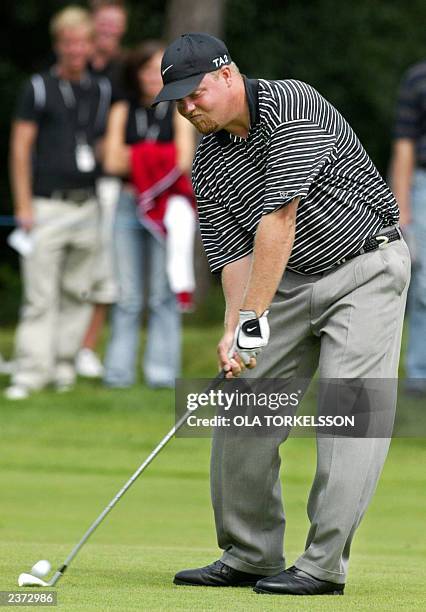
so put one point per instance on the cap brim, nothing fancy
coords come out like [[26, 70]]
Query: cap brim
[[179, 89]]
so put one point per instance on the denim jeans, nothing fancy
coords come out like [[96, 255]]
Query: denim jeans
[[141, 258], [416, 353]]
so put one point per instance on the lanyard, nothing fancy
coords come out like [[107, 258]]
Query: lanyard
[[79, 110]]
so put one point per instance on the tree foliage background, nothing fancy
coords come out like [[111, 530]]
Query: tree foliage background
[[354, 52]]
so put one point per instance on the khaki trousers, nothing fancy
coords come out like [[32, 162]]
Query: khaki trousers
[[57, 279], [347, 324]]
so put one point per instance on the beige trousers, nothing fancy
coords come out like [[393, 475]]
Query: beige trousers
[[57, 280]]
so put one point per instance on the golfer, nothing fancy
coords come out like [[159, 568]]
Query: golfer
[[304, 231]]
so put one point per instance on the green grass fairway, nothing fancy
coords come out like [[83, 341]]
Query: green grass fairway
[[63, 457]]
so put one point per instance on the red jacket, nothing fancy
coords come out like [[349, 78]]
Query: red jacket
[[156, 177]]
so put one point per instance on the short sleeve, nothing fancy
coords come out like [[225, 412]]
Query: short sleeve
[[407, 109], [30, 101], [223, 240], [298, 151]]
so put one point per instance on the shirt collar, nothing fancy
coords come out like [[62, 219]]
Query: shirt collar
[[252, 94]]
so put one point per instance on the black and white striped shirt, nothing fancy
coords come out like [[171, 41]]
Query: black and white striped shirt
[[298, 146]]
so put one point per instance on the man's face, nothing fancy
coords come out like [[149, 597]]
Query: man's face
[[74, 47], [109, 23], [207, 107]]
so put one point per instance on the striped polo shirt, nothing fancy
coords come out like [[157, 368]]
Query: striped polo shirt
[[298, 145], [411, 110]]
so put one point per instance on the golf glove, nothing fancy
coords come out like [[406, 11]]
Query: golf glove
[[251, 335]]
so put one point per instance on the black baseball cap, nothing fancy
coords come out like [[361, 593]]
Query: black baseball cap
[[185, 62]]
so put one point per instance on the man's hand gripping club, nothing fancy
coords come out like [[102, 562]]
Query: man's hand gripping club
[[251, 335], [248, 340], [238, 350]]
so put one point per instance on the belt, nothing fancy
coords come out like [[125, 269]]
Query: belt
[[75, 196], [378, 241]]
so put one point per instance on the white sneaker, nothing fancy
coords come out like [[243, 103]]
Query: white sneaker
[[16, 392], [63, 386], [88, 364]]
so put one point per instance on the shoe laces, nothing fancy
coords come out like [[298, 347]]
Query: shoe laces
[[220, 567]]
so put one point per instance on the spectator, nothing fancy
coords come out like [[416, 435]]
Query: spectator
[[131, 122], [109, 22], [59, 115], [408, 176]]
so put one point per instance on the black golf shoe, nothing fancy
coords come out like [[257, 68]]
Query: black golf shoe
[[216, 575], [294, 581]]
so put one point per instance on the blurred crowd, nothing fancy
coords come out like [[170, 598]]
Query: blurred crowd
[[104, 210], [106, 215]]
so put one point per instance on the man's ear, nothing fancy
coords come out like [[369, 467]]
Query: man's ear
[[226, 73]]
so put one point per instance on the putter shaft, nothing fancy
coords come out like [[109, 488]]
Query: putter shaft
[[61, 570]]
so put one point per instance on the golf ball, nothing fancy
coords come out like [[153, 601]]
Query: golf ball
[[41, 568]]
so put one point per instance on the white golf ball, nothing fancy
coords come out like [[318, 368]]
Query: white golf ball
[[41, 568]]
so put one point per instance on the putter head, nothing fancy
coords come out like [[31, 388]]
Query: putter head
[[30, 580]]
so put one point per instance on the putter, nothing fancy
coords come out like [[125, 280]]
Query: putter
[[26, 579]]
